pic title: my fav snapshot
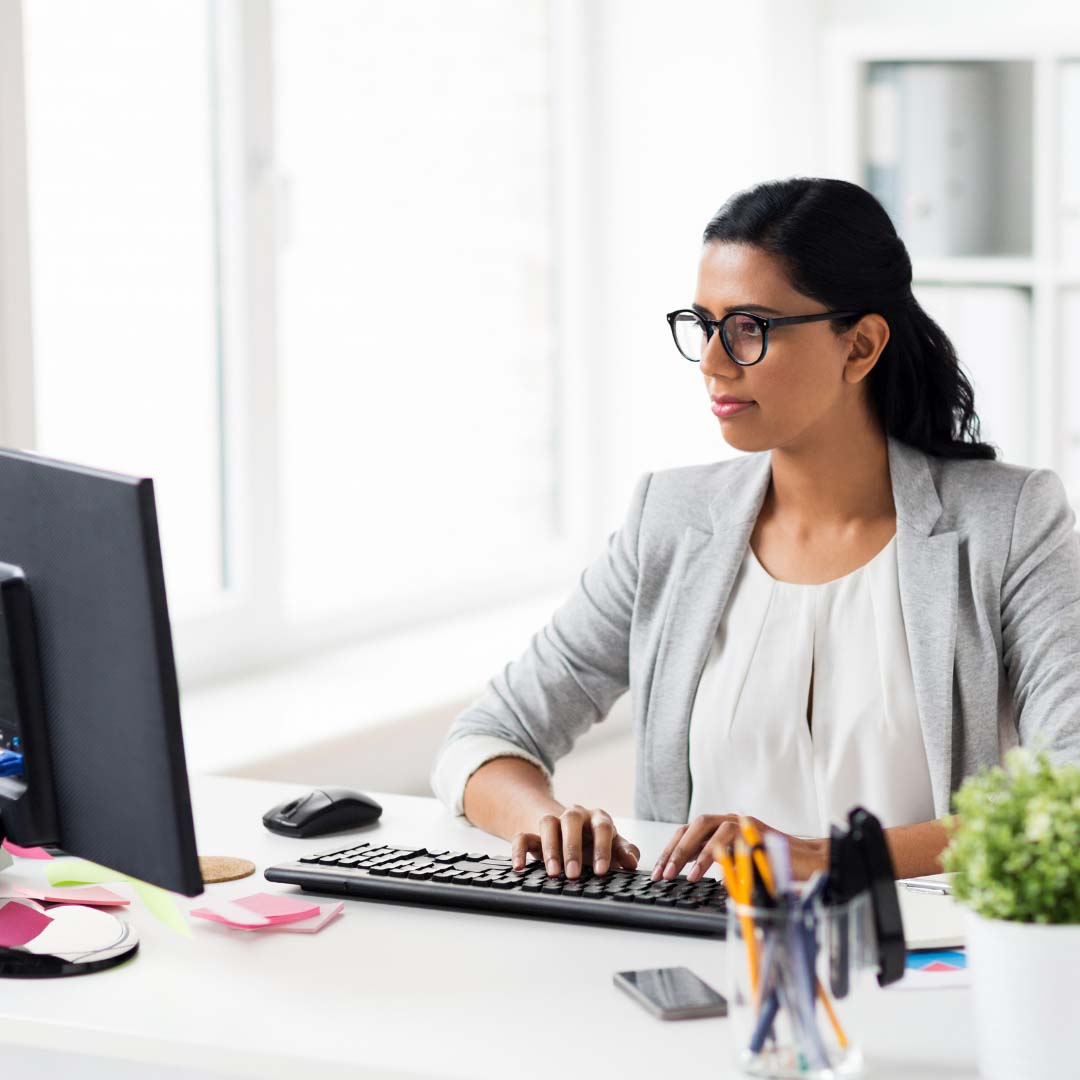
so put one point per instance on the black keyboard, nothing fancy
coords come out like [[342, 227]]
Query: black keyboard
[[457, 879]]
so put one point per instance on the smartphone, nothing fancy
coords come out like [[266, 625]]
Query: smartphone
[[673, 993]]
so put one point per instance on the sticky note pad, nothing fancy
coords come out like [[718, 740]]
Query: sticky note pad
[[91, 895], [20, 923], [26, 852], [263, 911]]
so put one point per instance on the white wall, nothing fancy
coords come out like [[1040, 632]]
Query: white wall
[[697, 98]]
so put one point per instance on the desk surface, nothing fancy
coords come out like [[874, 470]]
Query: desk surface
[[404, 992]]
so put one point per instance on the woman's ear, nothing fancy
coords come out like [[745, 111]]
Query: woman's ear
[[867, 338]]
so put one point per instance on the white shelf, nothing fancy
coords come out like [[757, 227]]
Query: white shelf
[[1034, 95], [978, 270]]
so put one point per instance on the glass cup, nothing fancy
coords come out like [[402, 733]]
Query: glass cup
[[799, 975]]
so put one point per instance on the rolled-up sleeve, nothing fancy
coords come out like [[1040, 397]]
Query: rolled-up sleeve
[[1040, 617], [575, 668]]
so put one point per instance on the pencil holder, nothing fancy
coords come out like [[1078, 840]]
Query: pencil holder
[[799, 975]]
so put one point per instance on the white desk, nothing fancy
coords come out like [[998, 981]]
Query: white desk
[[389, 991]]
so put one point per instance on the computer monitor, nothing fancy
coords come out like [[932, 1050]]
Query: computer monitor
[[88, 688]]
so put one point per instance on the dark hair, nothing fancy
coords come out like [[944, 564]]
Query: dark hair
[[838, 246]]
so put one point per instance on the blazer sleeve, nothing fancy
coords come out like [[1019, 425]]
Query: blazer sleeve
[[573, 671], [1040, 618]]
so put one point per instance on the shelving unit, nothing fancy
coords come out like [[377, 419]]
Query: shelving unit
[[1012, 103]]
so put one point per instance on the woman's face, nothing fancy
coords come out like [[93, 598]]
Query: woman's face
[[807, 380]]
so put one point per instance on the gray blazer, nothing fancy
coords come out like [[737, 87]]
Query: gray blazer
[[989, 569]]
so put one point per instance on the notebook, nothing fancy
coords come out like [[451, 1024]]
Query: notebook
[[931, 920]]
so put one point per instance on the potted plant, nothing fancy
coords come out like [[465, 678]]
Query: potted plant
[[1014, 845]]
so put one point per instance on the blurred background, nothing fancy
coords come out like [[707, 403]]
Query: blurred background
[[375, 291]]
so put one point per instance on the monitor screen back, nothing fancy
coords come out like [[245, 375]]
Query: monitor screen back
[[87, 542]]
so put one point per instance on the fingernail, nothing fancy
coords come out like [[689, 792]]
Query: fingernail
[[553, 866], [655, 872], [600, 866], [572, 868], [669, 871]]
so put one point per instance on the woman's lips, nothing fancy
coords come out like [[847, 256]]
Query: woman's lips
[[724, 409]]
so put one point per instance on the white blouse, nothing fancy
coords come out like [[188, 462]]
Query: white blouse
[[759, 745]]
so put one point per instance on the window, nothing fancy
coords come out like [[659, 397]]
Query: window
[[295, 261]]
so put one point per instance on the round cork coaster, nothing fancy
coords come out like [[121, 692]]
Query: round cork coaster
[[217, 868]]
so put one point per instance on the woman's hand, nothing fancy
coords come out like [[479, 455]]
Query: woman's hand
[[575, 837], [695, 842]]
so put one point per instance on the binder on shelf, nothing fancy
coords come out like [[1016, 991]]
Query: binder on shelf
[[933, 153]]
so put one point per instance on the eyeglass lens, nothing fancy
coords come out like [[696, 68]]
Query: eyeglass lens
[[742, 335]]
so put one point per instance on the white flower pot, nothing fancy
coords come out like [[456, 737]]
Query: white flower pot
[[1024, 979]]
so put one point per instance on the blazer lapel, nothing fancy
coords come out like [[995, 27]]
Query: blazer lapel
[[704, 570], [928, 569]]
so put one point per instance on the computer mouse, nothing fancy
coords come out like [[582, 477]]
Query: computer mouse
[[325, 810]]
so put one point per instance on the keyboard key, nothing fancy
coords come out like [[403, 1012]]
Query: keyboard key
[[450, 856], [419, 875], [643, 898], [623, 897], [687, 903], [665, 901], [398, 871], [531, 886], [504, 883], [378, 871], [552, 885]]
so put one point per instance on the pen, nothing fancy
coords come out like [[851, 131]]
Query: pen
[[923, 886]]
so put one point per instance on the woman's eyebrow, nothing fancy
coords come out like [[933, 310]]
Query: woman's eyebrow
[[706, 314]]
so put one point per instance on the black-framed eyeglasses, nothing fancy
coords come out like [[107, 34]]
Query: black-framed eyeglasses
[[745, 335]]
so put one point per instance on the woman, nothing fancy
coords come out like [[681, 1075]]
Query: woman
[[864, 608]]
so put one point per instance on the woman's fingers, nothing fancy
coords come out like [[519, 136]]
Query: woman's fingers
[[689, 844], [572, 822], [522, 845], [723, 836], [603, 837], [551, 841], [626, 854], [577, 836]]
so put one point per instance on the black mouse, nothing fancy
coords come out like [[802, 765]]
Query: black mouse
[[323, 811]]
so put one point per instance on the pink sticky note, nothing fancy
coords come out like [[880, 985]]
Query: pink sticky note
[[278, 907], [938, 965], [20, 923], [26, 852], [304, 926], [92, 895], [231, 915]]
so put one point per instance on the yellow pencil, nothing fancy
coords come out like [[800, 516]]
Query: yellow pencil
[[746, 884], [840, 1036], [757, 852]]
